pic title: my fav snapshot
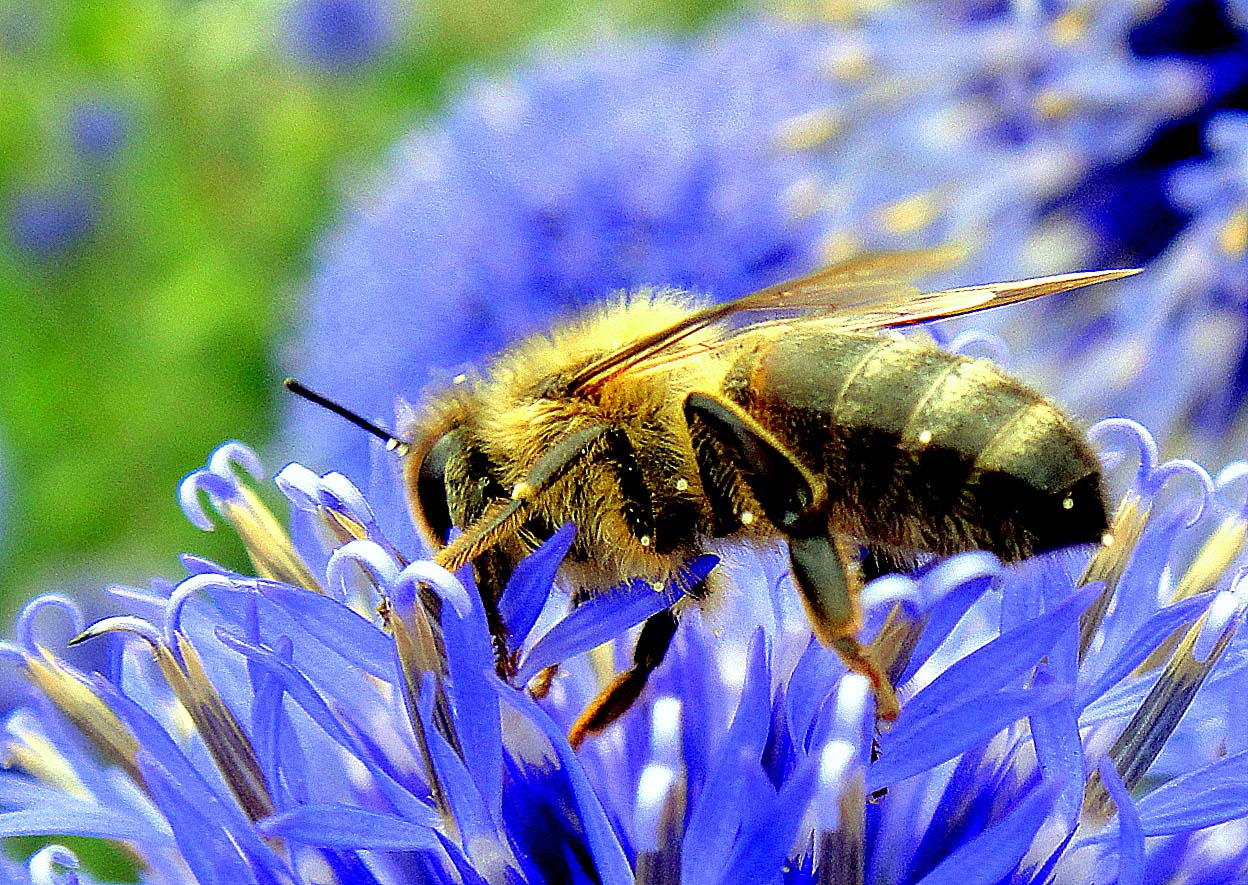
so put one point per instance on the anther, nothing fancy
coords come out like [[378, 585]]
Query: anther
[[747, 518], [925, 437]]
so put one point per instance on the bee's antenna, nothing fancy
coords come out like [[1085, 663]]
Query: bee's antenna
[[393, 443]]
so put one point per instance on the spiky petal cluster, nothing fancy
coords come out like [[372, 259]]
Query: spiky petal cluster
[[277, 729]]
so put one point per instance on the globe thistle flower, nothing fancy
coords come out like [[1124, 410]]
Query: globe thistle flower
[[338, 35], [1172, 352], [98, 128], [46, 223], [343, 722], [721, 165]]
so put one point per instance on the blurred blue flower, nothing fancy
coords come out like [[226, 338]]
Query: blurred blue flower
[[51, 222], [98, 128], [1169, 350], [338, 35], [277, 729], [759, 151]]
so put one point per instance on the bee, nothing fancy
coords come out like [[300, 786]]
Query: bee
[[658, 424]]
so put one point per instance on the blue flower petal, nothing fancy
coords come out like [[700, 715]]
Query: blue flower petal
[[955, 602], [65, 816], [999, 663], [604, 847], [478, 830], [1136, 596], [814, 677], [721, 807], [1043, 874], [593, 622], [526, 592], [346, 826], [167, 761], [1211, 795], [1133, 651], [1130, 833], [996, 853], [20, 791], [306, 696], [336, 626], [960, 810], [208, 847], [1059, 750], [470, 666], [772, 827], [919, 744]]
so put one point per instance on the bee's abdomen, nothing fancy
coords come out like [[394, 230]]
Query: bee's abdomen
[[924, 449]]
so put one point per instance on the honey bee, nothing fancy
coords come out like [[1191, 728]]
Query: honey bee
[[657, 424]]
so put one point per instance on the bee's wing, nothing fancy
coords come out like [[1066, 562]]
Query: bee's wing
[[925, 306], [873, 278], [867, 292]]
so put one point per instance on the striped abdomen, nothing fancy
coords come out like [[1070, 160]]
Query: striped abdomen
[[923, 449]]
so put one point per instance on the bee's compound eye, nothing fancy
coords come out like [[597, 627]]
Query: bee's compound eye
[[431, 484]]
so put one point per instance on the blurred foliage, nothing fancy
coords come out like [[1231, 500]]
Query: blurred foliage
[[165, 167]]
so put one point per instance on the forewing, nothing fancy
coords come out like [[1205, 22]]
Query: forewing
[[926, 306], [870, 291], [843, 288]]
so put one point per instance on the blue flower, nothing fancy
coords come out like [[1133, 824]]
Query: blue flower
[[98, 128], [720, 165], [344, 721], [51, 222], [338, 35]]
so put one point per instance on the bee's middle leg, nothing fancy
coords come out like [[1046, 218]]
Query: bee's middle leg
[[793, 500]]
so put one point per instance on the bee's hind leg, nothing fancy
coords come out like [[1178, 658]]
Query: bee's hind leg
[[794, 501], [614, 700], [829, 589]]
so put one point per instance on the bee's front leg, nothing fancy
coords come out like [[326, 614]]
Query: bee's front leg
[[794, 501]]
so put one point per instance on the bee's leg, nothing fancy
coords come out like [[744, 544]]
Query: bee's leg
[[794, 501], [822, 572], [614, 700]]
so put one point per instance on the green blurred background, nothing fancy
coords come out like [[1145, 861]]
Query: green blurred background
[[166, 167]]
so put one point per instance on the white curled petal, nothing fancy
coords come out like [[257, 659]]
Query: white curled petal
[[299, 484], [361, 553], [852, 696], [350, 496], [443, 583], [192, 503], [1226, 608], [888, 590], [229, 455], [53, 865]]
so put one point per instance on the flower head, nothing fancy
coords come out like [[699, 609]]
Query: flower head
[[51, 222], [280, 729], [98, 128], [338, 35]]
